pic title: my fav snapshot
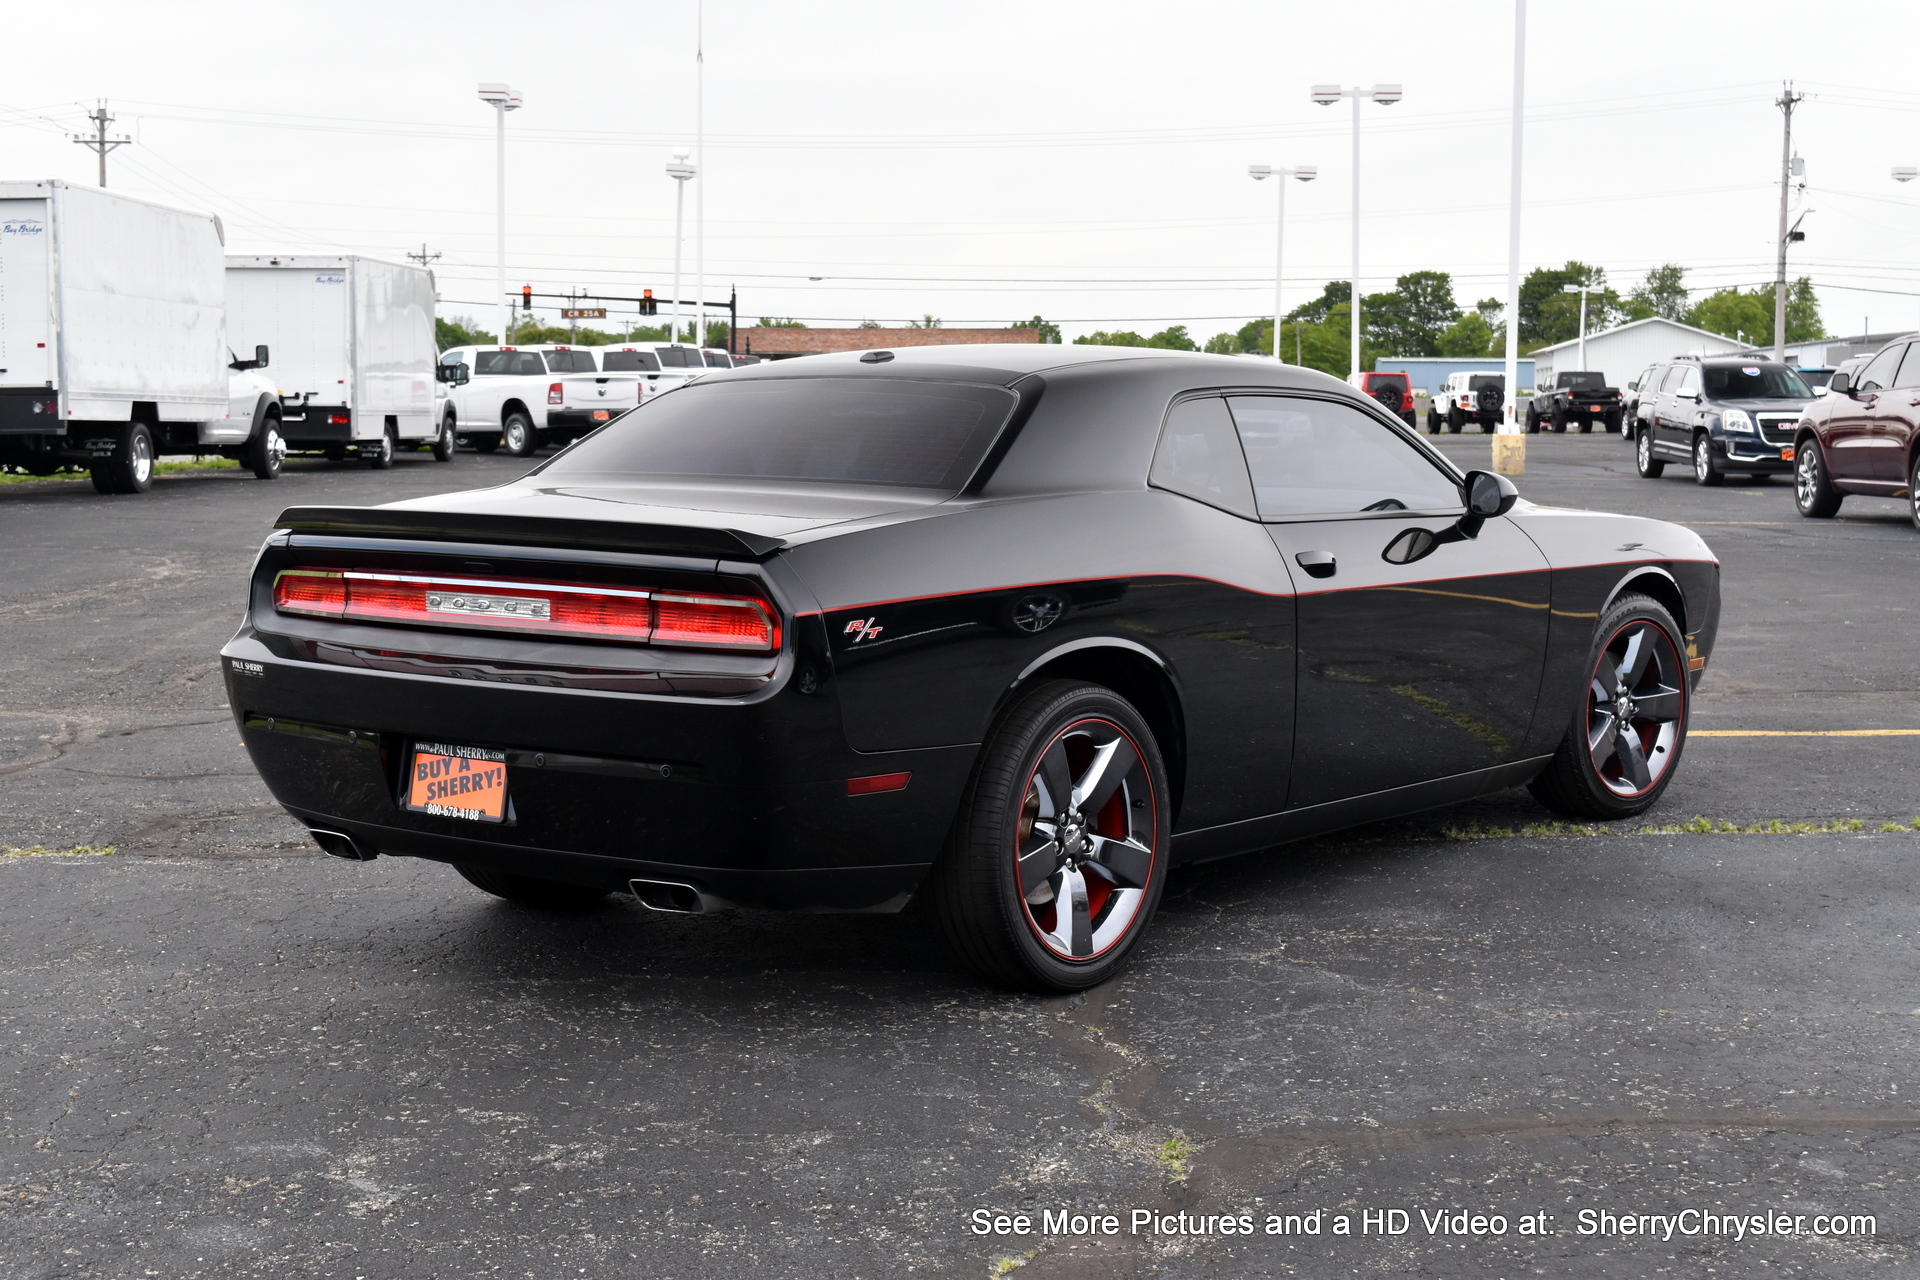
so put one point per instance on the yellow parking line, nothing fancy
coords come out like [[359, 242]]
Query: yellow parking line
[[1804, 733]]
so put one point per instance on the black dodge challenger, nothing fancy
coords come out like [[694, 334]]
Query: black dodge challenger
[[1016, 628]]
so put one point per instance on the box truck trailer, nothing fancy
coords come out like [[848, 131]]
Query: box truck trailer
[[353, 350], [113, 344]]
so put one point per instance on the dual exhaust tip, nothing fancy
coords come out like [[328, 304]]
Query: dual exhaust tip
[[676, 897]]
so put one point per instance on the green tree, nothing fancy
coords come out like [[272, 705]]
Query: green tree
[[1736, 314], [925, 322], [1469, 336], [1409, 320], [1223, 344], [1337, 293], [1048, 332], [775, 322], [459, 332], [1320, 346], [1173, 338], [1118, 338], [1548, 315], [1256, 336], [1662, 293], [1803, 312], [870, 324]]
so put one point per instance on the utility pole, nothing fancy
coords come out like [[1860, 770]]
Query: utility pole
[[1787, 100], [423, 257], [1513, 459], [100, 142], [699, 164]]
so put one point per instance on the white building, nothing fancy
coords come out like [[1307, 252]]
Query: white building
[[1621, 353]]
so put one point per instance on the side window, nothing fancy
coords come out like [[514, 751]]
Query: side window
[[1909, 375], [1878, 375], [1199, 456], [1689, 380], [1320, 457], [718, 360], [1672, 379]]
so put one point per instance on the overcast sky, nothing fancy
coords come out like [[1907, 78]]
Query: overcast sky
[[987, 161]]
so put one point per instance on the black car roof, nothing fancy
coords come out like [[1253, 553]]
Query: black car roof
[[1007, 363]]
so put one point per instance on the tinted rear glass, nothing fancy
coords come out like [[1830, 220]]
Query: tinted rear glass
[[1584, 380], [630, 362], [832, 430], [1480, 380], [508, 362], [1387, 379], [1754, 382], [570, 362]]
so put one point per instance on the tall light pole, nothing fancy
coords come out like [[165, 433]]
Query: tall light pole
[[1787, 100], [681, 172], [699, 163], [1260, 173], [1580, 289], [503, 100], [1514, 461], [1326, 95]]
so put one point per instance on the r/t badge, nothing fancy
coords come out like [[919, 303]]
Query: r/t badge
[[862, 629]]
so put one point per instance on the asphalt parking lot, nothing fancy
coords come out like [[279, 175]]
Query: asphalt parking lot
[[228, 1055]]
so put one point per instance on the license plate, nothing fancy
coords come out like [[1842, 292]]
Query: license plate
[[451, 781], [602, 415], [1786, 454]]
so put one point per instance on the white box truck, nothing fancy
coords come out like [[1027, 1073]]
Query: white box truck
[[353, 350], [113, 346]]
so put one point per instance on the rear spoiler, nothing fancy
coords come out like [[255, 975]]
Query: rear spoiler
[[529, 531]]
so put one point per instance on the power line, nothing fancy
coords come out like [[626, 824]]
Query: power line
[[100, 142]]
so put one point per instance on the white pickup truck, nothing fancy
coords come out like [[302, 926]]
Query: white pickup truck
[[526, 397]]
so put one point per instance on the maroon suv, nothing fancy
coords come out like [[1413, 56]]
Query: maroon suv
[[1863, 436]]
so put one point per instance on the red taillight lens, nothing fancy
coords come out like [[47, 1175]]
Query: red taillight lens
[[554, 395], [557, 609], [731, 622], [337, 419]]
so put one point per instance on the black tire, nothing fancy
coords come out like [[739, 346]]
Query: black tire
[[1051, 740], [516, 432], [1434, 422], [1600, 772], [1559, 420], [1913, 490], [443, 443], [1649, 467], [1813, 492], [1706, 471], [380, 457], [266, 453], [1613, 422], [486, 443], [1456, 419], [1489, 426], [1586, 423], [531, 891], [1411, 419], [129, 468]]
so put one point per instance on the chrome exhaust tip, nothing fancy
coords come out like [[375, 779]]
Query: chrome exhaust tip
[[674, 897], [341, 845]]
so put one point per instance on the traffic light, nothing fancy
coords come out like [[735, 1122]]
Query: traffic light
[[648, 307], [526, 297]]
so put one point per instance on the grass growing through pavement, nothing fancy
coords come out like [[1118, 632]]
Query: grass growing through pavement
[[161, 468], [41, 851], [1693, 826]]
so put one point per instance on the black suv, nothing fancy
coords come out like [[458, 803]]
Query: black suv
[[1723, 414]]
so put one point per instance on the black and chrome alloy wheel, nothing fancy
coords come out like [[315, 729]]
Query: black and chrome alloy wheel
[[1057, 860], [1630, 724], [1813, 493], [1084, 843], [1649, 466], [1635, 703]]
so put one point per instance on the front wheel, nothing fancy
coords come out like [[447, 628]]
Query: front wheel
[[1913, 491], [517, 433], [1056, 863], [1433, 423], [1649, 467], [1705, 470], [1813, 491], [443, 443], [267, 452], [1455, 419], [1621, 750]]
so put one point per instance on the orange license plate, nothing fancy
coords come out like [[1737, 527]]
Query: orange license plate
[[1786, 454], [602, 415], [458, 782]]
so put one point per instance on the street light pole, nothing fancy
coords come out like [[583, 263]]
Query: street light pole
[[680, 171], [1326, 95], [699, 163], [1580, 289], [503, 100], [1261, 172], [1515, 460]]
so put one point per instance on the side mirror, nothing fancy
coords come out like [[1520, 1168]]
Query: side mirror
[[260, 357], [1487, 495], [454, 373], [1841, 384]]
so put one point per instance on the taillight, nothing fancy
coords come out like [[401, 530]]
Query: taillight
[[554, 395], [337, 419], [556, 609]]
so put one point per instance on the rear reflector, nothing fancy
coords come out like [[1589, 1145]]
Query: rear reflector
[[556, 609], [555, 395], [877, 782]]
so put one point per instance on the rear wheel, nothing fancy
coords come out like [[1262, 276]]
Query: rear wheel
[[129, 468], [517, 434], [1813, 491], [267, 452], [1613, 421], [1559, 420], [1913, 491], [1705, 470], [530, 890], [1433, 423], [1631, 722], [1456, 419], [1649, 467], [1057, 861], [380, 456], [443, 443]]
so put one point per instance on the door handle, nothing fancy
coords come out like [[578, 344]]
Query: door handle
[[1318, 564]]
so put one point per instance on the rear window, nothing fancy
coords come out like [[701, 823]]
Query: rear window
[[1387, 380], [1754, 382], [1480, 380], [570, 362], [508, 362], [832, 430], [630, 362], [718, 360], [1583, 381]]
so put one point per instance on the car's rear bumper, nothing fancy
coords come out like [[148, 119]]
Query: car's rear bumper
[[753, 807]]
